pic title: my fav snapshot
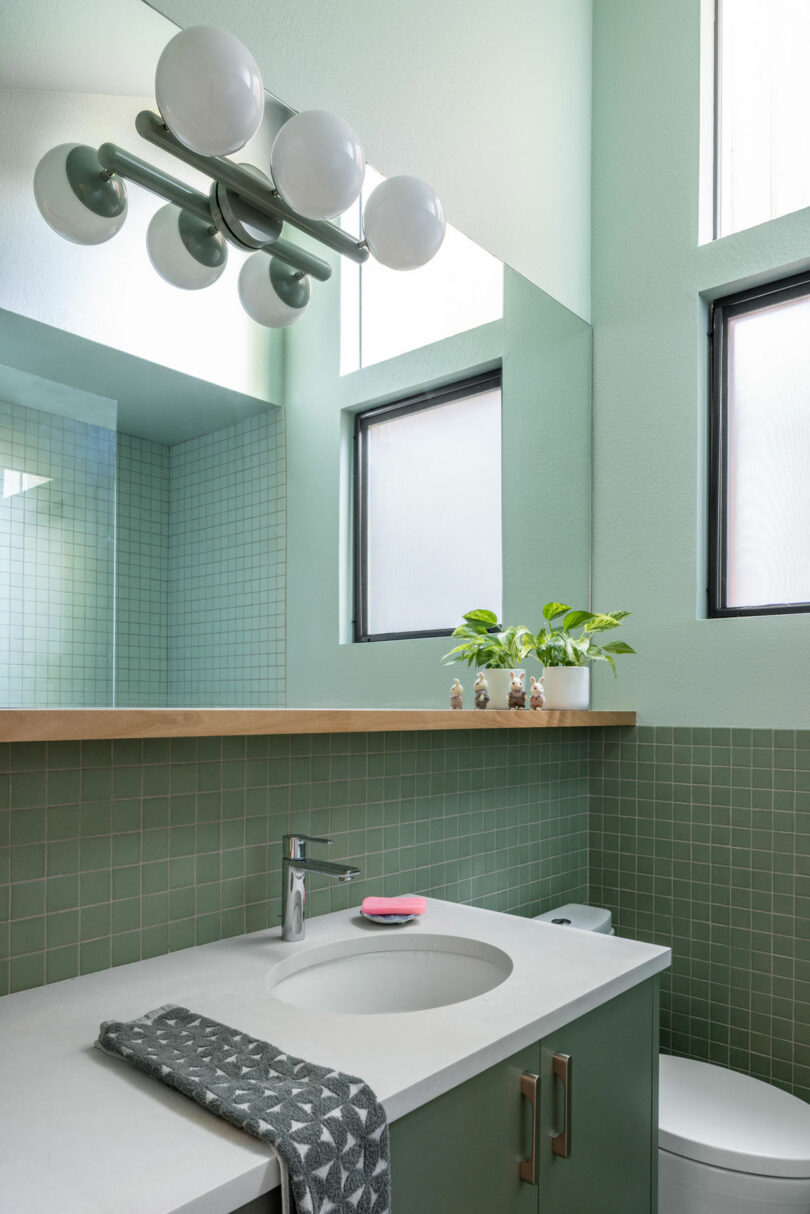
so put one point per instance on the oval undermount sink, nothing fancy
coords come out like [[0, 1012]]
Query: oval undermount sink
[[399, 974]]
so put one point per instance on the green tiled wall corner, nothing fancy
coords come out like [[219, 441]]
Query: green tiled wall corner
[[114, 851], [227, 566], [700, 840], [142, 574], [56, 562]]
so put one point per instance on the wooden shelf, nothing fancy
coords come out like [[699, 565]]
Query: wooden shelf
[[77, 724]]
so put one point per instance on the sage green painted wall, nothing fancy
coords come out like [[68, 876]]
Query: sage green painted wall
[[650, 362], [545, 352]]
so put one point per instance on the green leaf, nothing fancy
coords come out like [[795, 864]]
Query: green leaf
[[618, 647], [575, 618], [552, 610], [481, 616], [602, 623]]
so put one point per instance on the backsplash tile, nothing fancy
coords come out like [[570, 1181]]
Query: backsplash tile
[[700, 840], [114, 851]]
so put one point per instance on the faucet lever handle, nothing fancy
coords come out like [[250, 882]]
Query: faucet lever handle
[[295, 844]]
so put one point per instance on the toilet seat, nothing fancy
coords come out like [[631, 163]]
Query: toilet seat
[[714, 1116]]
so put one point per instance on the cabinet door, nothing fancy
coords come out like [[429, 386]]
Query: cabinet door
[[611, 1166], [460, 1153]]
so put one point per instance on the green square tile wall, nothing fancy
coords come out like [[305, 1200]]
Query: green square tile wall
[[700, 840], [142, 574], [227, 547], [115, 851], [57, 560]]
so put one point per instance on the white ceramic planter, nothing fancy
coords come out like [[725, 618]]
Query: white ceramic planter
[[567, 687], [499, 681]]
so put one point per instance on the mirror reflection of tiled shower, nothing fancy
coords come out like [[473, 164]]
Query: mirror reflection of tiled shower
[[134, 573], [57, 543]]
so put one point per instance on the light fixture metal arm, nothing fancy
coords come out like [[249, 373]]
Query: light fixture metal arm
[[165, 186], [150, 127], [299, 259], [125, 164]]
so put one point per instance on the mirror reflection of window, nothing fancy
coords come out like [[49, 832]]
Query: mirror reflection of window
[[385, 312], [15, 481], [428, 510]]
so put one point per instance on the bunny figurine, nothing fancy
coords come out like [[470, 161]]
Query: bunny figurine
[[538, 696], [481, 690], [517, 692], [456, 695]]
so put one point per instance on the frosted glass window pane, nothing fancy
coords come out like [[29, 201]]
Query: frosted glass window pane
[[399, 311], [434, 515], [763, 152], [769, 456]]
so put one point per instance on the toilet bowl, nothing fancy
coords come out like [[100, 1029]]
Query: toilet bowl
[[728, 1144]]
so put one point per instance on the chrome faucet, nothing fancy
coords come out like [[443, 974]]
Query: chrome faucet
[[294, 868]]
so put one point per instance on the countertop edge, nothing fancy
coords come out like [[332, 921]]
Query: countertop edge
[[459, 1072]]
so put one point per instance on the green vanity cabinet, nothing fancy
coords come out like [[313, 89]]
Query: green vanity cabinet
[[612, 1161], [461, 1153]]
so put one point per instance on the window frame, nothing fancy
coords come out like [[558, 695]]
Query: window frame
[[781, 290], [363, 420]]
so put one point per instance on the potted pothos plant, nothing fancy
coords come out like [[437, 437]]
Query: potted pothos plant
[[566, 655], [487, 646]]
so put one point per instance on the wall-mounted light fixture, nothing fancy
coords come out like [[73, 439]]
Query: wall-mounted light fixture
[[211, 100]]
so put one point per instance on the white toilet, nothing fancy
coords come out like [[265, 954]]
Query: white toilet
[[728, 1144]]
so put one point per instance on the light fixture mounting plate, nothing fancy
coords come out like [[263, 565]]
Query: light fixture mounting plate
[[245, 224]]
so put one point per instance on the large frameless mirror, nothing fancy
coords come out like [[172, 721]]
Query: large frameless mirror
[[182, 514]]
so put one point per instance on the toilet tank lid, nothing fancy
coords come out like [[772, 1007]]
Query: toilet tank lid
[[728, 1120], [585, 918]]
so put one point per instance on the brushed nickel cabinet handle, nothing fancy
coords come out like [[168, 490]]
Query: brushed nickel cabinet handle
[[528, 1088], [561, 1069]]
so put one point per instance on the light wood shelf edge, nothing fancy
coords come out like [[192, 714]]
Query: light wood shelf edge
[[82, 724]]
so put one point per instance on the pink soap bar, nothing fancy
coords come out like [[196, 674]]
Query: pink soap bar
[[410, 904]]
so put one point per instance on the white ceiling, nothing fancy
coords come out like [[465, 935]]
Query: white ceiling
[[95, 46]]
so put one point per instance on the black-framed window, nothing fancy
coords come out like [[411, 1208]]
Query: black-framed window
[[759, 484], [427, 510]]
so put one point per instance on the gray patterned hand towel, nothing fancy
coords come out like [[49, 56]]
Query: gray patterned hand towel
[[329, 1129]]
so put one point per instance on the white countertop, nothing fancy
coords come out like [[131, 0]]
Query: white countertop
[[82, 1133]]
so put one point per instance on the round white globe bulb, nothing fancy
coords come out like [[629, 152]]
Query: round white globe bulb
[[184, 250], [75, 198], [317, 164], [403, 223], [209, 90], [260, 296]]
